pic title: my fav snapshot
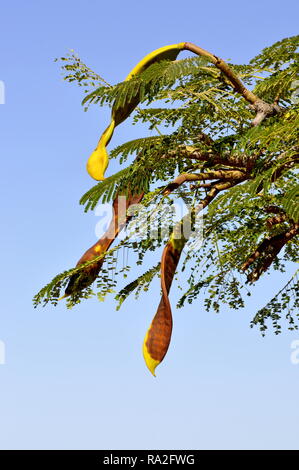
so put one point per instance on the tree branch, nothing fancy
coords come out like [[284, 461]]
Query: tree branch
[[262, 108], [239, 161], [277, 219], [268, 250]]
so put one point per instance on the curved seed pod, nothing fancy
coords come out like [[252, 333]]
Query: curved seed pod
[[98, 160], [120, 218], [157, 339]]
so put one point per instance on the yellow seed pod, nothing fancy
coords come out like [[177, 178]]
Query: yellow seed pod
[[163, 53], [149, 360], [98, 160]]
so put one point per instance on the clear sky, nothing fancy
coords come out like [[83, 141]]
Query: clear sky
[[76, 379]]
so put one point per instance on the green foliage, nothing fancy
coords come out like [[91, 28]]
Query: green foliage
[[147, 85], [141, 283], [139, 146], [290, 203], [281, 53], [106, 190], [287, 301], [204, 117], [74, 70]]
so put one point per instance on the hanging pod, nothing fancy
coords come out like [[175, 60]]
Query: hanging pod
[[119, 220], [158, 336]]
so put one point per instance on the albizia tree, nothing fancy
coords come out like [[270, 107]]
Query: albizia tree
[[230, 152]]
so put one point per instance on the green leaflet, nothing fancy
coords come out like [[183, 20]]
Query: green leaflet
[[142, 282], [290, 203], [199, 102]]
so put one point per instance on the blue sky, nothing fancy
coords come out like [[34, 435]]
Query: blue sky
[[76, 379]]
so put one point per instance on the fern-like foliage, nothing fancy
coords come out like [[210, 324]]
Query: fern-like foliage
[[280, 54], [286, 301], [141, 283], [135, 146], [290, 203], [105, 190], [147, 84], [206, 129]]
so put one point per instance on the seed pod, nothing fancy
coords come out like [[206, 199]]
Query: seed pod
[[158, 336], [98, 160], [120, 218]]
